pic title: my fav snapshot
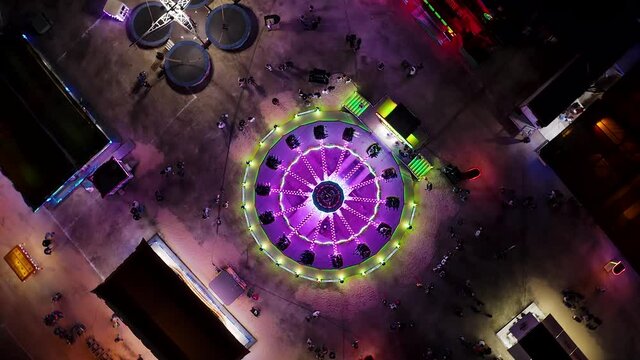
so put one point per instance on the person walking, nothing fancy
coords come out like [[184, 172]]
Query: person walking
[[429, 289], [180, 167], [142, 77], [468, 290], [206, 212], [115, 321], [47, 242], [166, 171], [222, 121], [141, 80], [313, 315], [478, 232], [351, 40], [412, 71], [136, 210]]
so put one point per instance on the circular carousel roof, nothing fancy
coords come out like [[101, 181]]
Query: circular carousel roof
[[325, 198]]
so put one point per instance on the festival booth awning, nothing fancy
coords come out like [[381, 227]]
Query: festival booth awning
[[22, 264], [165, 312], [400, 121]]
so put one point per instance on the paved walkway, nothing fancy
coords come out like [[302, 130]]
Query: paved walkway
[[463, 111]]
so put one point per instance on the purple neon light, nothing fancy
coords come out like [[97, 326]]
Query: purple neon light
[[345, 164]]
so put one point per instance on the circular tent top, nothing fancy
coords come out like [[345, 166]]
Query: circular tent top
[[187, 64], [140, 21], [197, 4], [229, 26]]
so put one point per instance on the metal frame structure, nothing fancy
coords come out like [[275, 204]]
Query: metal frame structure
[[175, 13]]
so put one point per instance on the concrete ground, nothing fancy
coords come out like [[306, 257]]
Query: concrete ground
[[463, 111]]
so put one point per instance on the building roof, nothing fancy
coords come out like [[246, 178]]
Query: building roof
[[45, 136], [541, 345], [598, 158], [403, 121], [164, 313], [109, 176], [599, 35]]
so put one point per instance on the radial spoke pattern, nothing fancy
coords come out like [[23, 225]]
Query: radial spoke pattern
[[364, 199], [291, 192], [363, 184], [326, 197], [340, 160], [297, 177]]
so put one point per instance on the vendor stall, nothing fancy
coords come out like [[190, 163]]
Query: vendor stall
[[22, 264]]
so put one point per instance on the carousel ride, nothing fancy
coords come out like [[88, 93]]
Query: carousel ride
[[324, 199]]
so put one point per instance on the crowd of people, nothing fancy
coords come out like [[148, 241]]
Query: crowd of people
[[581, 314], [311, 21], [47, 243], [53, 319]]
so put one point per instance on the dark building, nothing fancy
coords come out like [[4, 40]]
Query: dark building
[[48, 141], [163, 311], [598, 158], [587, 38]]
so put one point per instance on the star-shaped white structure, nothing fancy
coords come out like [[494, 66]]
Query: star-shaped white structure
[[175, 12]]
